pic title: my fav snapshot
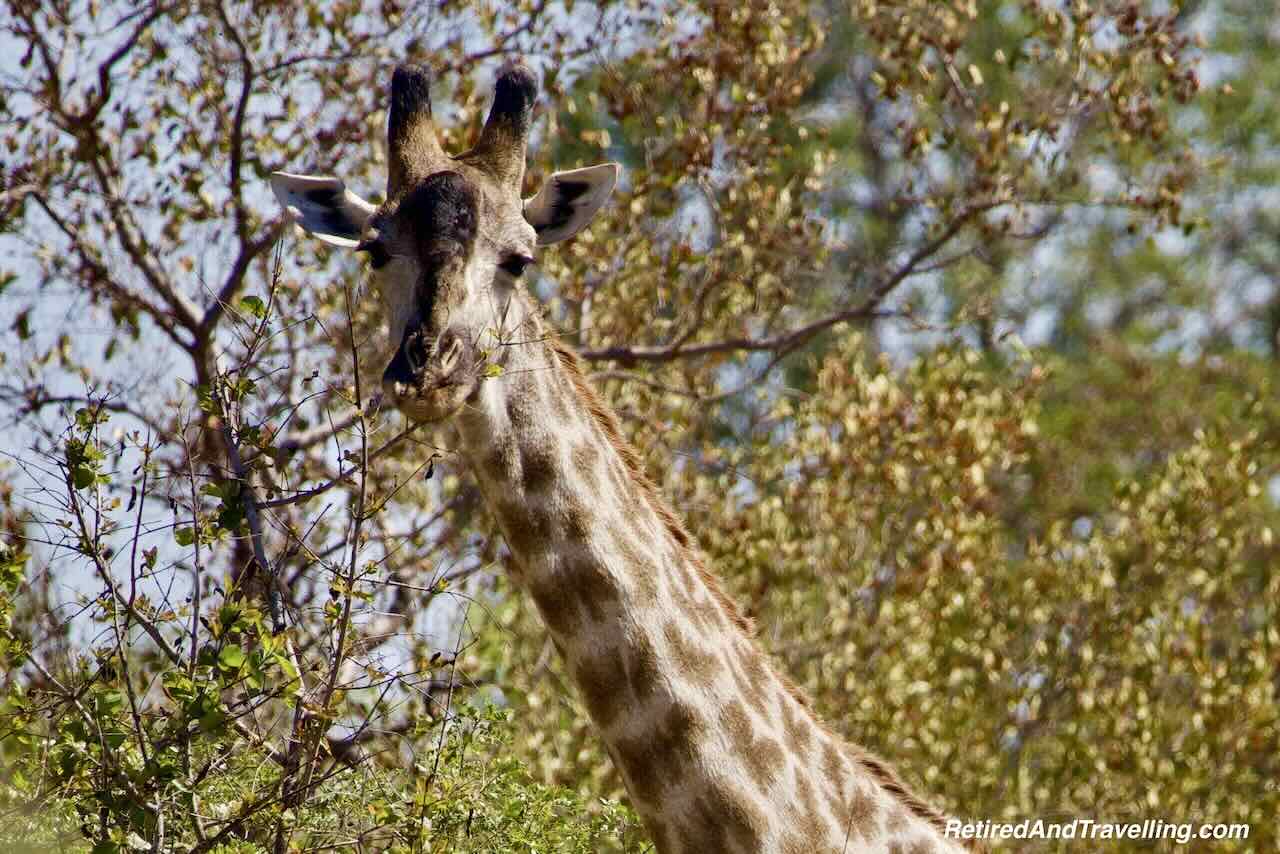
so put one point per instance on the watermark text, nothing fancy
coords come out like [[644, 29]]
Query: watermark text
[[1090, 829]]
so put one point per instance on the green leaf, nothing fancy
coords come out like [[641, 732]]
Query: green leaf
[[87, 417], [229, 615], [231, 658], [12, 567], [109, 704], [212, 720], [206, 400], [254, 681], [292, 683], [253, 305]]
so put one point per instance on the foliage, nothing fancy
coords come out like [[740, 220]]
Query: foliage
[[473, 797], [241, 608], [961, 573]]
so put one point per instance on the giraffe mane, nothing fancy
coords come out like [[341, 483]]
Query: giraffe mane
[[607, 421]]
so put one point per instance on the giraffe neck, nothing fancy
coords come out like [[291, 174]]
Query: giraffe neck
[[716, 750]]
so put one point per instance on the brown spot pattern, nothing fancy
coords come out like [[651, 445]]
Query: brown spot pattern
[[858, 815], [753, 666], [642, 573], [919, 846], [559, 612], [658, 833], [807, 820], [703, 614], [653, 760], [644, 672], [500, 464], [766, 760], [836, 772], [745, 689], [577, 522], [602, 680], [584, 458], [796, 728], [558, 402], [537, 469], [736, 723], [528, 529], [594, 587], [725, 816], [519, 410], [645, 778], [792, 844], [695, 662], [762, 756]]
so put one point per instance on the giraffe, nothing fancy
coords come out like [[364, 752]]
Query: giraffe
[[718, 751]]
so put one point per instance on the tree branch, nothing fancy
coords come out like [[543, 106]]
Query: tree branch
[[786, 342]]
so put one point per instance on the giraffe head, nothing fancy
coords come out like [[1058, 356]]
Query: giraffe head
[[449, 244]]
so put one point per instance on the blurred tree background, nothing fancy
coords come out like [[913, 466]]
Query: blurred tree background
[[950, 327]]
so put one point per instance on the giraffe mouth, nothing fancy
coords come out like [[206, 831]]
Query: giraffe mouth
[[429, 379]]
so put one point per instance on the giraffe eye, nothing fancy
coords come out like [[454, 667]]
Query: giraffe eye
[[516, 264]]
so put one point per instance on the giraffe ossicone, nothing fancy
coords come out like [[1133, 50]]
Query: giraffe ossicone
[[718, 751]]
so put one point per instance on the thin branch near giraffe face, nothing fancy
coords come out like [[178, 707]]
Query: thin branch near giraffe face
[[344, 476]]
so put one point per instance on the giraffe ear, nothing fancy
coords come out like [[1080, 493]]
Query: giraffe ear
[[568, 201], [323, 206]]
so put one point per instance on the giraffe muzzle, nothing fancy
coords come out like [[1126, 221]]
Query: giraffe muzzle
[[428, 379]]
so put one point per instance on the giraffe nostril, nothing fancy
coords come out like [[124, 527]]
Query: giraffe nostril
[[450, 350], [415, 350], [425, 363]]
